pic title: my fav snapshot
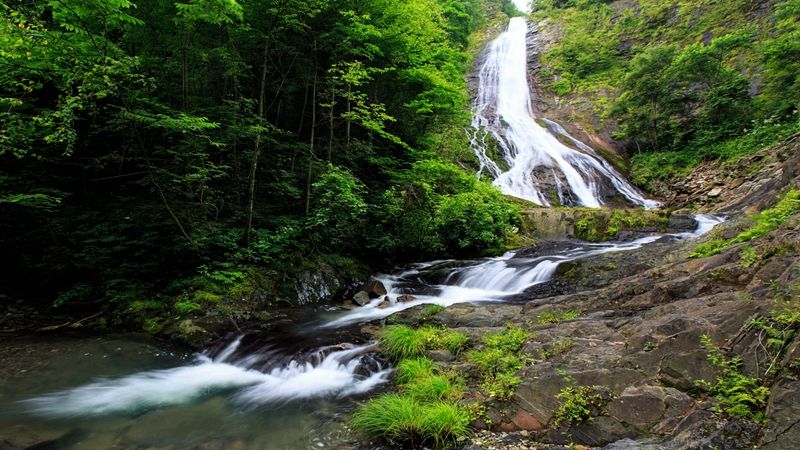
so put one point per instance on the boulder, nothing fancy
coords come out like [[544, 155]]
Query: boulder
[[361, 298], [644, 406], [406, 298], [374, 289]]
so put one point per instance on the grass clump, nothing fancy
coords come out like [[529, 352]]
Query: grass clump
[[401, 341], [548, 317], [425, 413], [763, 222], [414, 368]]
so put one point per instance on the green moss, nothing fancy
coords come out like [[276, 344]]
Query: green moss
[[548, 317], [186, 307], [598, 226]]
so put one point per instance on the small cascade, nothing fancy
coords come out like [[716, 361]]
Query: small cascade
[[541, 162], [268, 375], [488, 280]]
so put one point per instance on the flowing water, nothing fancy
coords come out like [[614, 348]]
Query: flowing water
[[541, 162], [289, 388], [293, 388]]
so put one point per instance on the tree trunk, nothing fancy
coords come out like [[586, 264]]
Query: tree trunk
[[313, 128], [185, 70], [257, 149]]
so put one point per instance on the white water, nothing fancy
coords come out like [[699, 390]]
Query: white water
[[491, 279], [538, 162], [334, 374]]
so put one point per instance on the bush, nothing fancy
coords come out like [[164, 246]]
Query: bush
[[339, 209]]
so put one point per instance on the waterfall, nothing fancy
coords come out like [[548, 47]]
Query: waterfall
[[541, 162]]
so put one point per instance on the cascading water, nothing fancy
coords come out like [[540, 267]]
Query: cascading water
[[259, 377], [493, 279], [539, 162]]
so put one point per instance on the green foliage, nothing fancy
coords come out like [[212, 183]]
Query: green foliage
[[685, 78], [499, 360], [557, 316], [144, 142], [763, 222], [400, 341], [438, 207], [737, 395], [578, 404], [338, 215], [778, 330], [426, 411], [410, 369]]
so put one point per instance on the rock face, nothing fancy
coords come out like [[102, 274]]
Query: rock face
[[643, 314]]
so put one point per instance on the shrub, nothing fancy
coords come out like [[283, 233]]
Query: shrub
[[578, 404]]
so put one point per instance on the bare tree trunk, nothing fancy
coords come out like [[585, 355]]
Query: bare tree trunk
[[313, 129], [257, 149], [349, 94], [185, 71], [330, 132]]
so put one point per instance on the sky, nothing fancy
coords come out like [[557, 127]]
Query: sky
[[523, 5]]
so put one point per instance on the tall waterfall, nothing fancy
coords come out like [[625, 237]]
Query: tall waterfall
[[541, 161]]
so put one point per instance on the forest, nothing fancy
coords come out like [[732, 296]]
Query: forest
[[150, 147]]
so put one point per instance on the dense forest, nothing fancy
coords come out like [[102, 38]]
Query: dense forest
[[152, 147]]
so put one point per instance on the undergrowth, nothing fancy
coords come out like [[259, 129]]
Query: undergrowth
[[737, 394], [499, 360]]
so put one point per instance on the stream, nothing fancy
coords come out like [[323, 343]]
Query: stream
[[295, 386], [292, 387]]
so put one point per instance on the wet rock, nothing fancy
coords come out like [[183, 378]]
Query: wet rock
[[524, 421], [384, 304], [361, 298], [440, 355], [374, 289], [405, 298], [29, 437], [644, 406], [783, 415], [317, 285], [682, 222]]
